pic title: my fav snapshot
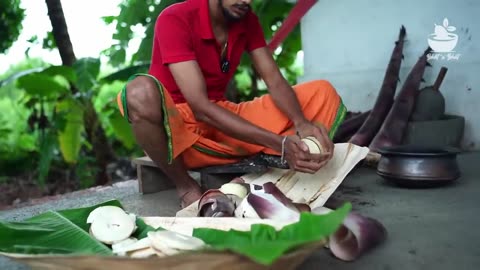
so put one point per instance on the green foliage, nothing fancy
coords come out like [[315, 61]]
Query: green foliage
[[87, 70], [134, 13], [16, 71], [11, 17], [64, 71], [85, 170], [18, 144], [70, 137], [125, 73], [46, 149], [41, 85], [116, 127], [50, 120], [48, 42], [45, 89], [271, 14], [122, 129]]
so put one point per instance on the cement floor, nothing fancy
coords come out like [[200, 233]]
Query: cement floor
[[428, 228]]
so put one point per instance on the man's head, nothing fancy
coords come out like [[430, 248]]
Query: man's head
[[234, 10]]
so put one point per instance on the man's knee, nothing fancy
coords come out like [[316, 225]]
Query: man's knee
[[324, 87], [317, 88], [143, 100]]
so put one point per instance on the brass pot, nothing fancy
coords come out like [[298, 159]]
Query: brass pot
[[418, 167]]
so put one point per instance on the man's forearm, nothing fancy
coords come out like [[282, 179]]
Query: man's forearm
[[287, 101], [239, 128]]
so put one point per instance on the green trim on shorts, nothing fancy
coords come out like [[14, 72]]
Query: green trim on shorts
[[166, 123], [212, 152], [124, 101], [341, 113]]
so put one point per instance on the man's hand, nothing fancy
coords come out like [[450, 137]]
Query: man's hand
[[300, 159], [306, 129]]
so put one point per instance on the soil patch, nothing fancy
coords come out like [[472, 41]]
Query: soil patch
[[24, 188]]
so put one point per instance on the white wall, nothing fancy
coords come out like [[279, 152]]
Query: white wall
[[350, 43]]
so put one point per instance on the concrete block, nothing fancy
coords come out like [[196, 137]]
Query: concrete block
[[150, 178]]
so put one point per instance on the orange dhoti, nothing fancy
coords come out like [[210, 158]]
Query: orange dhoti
[[201, 145]]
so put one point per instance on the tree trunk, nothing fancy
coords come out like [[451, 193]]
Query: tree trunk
[[60, 32], [95, 133], [101, 148]]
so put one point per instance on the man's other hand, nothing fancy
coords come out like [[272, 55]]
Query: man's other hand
[[300, 159], [307, 129]]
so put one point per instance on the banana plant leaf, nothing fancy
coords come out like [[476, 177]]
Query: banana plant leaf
[[122, 130], [66, 233], [41, 85], [64, 71], [87, 70], [53, 232], [264, 245], [143, 229], [70, 138]]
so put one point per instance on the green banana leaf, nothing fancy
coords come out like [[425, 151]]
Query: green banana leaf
[[143, 229], [53, 232], [78, 216], [263, 244], [66, 232]]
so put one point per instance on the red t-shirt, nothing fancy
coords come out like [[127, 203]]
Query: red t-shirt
[[184, 32]]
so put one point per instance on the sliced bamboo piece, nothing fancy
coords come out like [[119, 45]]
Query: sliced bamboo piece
[[185, 225]]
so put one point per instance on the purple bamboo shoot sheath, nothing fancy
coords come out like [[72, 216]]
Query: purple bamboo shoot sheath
[[214, 203], [385, 98], [268, 207], [349, 127], [356, 236], [271, 188], [395, 125], [270, 202], [303, 207]]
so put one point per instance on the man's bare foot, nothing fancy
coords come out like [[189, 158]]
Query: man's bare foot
[[190, 196]]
